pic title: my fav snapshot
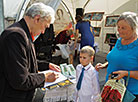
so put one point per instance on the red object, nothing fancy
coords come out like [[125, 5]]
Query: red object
[[62, 38], [72, 35], [114, 96], [105, 92], [110, 95], [33, 38]]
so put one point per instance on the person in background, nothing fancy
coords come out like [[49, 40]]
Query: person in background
[[19, 75], [86, 30], [123, 58], [88, 89], [63, 37]]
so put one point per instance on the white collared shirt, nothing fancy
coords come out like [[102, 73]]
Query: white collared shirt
[[90, 88]]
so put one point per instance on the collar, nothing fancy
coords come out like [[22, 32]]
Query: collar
[[125, 47], [87, 67], [26, 29]]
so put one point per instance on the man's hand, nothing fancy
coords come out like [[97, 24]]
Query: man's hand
[[54, 67], [50, 77]]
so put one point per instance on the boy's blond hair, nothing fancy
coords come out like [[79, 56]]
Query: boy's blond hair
[[88, 49]]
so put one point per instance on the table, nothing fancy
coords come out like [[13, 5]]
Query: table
[[60, 94]]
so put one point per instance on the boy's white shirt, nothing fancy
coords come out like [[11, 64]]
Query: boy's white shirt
[[90, 88]]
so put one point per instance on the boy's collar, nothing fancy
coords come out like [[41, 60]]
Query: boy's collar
[[87, 67]]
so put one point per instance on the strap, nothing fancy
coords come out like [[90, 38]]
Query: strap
[[127, 78]]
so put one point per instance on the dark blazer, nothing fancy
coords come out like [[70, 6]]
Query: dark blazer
[[18, 74]]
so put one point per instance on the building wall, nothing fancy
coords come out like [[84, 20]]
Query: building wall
[[132, 5]]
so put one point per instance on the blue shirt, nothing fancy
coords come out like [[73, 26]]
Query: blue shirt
[[124, 57], [87, 37]]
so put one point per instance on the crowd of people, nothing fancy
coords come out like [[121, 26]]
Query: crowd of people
[[19, 75]]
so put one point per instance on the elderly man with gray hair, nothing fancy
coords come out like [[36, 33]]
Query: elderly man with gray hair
[[19, 72]]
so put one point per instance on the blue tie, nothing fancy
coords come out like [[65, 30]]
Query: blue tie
[[80, 79]]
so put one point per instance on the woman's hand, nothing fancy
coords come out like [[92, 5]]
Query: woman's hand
[[121, 74], [100, 66]]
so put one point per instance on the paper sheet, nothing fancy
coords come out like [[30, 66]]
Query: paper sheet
[[61, 78]]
